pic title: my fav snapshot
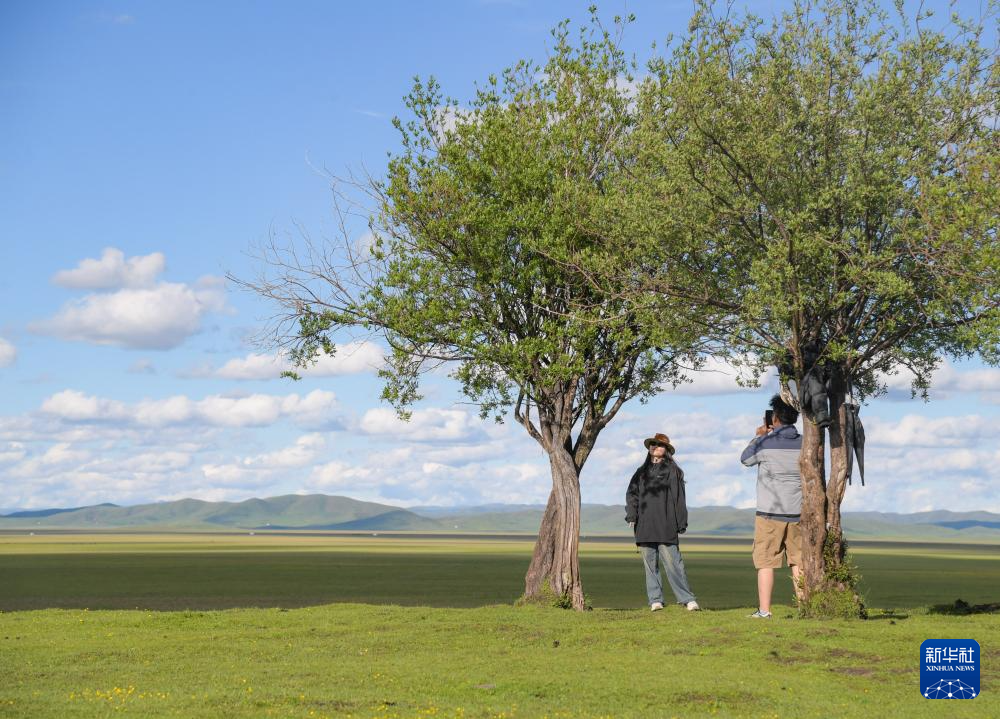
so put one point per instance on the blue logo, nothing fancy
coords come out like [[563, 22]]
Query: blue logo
[[949, 669]]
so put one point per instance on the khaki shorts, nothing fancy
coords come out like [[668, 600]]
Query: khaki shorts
[[772, 539]]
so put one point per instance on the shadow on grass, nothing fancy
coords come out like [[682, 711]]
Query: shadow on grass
[[961, 608], [890, 614]]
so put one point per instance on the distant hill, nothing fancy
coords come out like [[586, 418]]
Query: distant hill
[[29, 513], [292, 511], [732, 522], [330, 513]]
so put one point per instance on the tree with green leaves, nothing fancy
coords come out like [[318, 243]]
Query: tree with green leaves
[[472, 227], [836, 169]]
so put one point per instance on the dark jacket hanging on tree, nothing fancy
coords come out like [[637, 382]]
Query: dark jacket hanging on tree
[[855, 433], [814, 401], [655, 501], [813, 397], [812, 393]]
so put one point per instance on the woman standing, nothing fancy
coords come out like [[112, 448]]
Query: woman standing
[[656, 509]]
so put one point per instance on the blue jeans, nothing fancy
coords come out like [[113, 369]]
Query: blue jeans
[[673, 565]]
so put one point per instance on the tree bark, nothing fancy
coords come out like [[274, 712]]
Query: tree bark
[[839, 462], [543, 556], [813, 522], [555, 563], [840, 578]]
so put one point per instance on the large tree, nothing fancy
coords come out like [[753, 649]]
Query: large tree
[[472, 225], [836, 169]]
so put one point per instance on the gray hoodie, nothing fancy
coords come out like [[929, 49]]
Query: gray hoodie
[[779, 484]]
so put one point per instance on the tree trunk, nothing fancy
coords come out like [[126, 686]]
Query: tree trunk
[[545, 547], [813, 523], [554, 573], [841, 575], [840, 449]]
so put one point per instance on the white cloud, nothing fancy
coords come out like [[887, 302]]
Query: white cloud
[[256, 410], [12, 452], [75, 406], [313, 409], [129, 306], [81, 449], [251, 367], [718, 377], [916, 464], [62, 454], [950, 378], [59, 456], [918, 431], [425, 425], [946, 379], [8, 353], [256, 470], [339, 475], [113, 272], [305, 451], [155, 462], [172, 410], [924, 479], [734, 493], [159, 317], [227, 474], [383, 479], [466, 454], [350, 358]]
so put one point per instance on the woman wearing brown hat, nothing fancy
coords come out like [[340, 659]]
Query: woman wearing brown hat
[[656, 509]]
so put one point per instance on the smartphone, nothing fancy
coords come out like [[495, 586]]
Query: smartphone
[[768, 417]]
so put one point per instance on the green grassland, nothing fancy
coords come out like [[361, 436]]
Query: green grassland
[[226, 571], [100, 626]]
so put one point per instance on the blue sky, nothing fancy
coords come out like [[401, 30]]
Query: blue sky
[[146, 146]]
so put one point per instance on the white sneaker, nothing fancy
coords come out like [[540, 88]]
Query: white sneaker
[[692, 606], [656, 606]]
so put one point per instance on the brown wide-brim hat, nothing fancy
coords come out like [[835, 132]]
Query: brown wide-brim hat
[[662, 439]]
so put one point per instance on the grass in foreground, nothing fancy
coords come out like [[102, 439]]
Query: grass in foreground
[[353, 660], [379, 659]]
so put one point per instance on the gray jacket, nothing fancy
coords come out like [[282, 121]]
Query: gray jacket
[[779, 484]]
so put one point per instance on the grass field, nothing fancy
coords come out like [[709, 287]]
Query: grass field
[[214, 572], [322, 633]]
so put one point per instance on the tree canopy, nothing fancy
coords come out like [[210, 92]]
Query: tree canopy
[[817, 193], [840, 165], [473, 225]]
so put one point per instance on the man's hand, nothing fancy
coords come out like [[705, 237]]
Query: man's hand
[[762, 430], [631, 525]]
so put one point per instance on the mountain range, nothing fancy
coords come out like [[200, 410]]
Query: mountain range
[[319, 512]]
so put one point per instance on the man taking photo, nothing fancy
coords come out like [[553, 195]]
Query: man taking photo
[[775, 450]]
